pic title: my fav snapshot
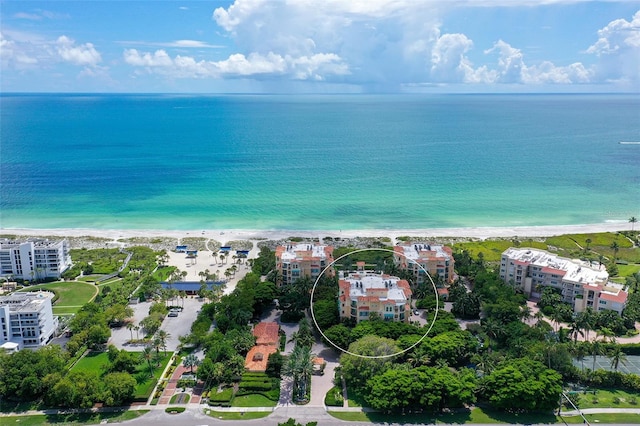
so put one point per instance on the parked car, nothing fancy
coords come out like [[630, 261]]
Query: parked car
[[173, 314]]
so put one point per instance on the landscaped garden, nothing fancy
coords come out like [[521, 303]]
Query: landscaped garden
[[145, 382], [70, 296]]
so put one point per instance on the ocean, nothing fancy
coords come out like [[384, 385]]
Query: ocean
[[325, 162]]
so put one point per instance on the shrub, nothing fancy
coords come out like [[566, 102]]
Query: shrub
[[222, 398], [334, 398], [174, 410]]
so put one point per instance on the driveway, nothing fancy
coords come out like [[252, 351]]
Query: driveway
[[181, 325], [175, 326]]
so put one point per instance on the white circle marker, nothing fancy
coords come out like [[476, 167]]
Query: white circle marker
[[435, 315]]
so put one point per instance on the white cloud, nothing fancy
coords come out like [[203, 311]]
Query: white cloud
[[510, 62], [175, 43], [158, 59], [10, 55], [618, 35], [618, 52], [448, 60], [83, 54], [238, 65]]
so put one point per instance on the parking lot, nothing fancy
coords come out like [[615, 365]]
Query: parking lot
[[175, 326]]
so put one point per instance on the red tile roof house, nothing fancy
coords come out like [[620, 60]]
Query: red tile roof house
[[267, 338]]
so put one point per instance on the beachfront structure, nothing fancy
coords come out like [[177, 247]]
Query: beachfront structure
[[416, 258], [34, 259], [26, 319], [582, 284], [297, 260], [362, 293]]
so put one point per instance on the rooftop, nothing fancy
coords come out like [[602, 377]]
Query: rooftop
[[267, 333], [415, 251], [574, 270], [291, 251], [376, 287]]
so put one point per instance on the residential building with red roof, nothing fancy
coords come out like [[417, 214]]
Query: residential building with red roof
[[417, 258], [297, 260], [582, 284], [362, 293], [267, 336]]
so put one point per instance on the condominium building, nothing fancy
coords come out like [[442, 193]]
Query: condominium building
[[417, 258], [297, 260], [362, 293], [34, 259], [582, 284], [27, 319]]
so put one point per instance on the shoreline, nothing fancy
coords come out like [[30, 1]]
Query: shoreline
[[256, 234]]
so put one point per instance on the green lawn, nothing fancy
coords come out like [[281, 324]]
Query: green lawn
[[628, 270], [72, 295], [476, 415], [252, 400], [605, 398], [73, 419], [492, 249], [95, 361], [605, 418], [250, 415]]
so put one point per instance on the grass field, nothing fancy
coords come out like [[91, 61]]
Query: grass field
[[607, 398], [253, 400], [73, 419], [72, 295], [250, 415], [96, 361], [93, 361]]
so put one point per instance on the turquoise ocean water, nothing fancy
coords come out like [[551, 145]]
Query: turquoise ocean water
[[317, 161]]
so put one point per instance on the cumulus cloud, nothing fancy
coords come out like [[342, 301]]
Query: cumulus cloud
[[448, 60], [254, 65], [83, 54], [618, 51]]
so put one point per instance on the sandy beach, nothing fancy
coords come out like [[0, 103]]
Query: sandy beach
[[224, 236]]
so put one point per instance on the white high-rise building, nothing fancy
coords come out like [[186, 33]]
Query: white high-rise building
[[27, 319], [581, 284], [34, 259]]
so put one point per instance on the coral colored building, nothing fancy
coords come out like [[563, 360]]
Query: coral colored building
[[362, 293]]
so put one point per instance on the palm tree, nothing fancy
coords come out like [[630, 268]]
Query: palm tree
[[191, 361], [596, 349], [574, 330], [137, 328], [493, 329], [615, 247], [299, 366], [130, 328], [147, 355], [579, 351], [632, 221], [617, 356], [588, 241], [163, 336], [585, 320]]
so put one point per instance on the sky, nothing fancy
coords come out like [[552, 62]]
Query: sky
[[320, 46]]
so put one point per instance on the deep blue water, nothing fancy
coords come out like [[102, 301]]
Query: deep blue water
[[317, 162]]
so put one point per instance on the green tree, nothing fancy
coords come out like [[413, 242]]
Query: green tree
[[617, 356], [522, 385], [119, 388], [147, 355], [299, 366], [304, 335], [633, 220], [326, 313], [191, 361], [358, 369]]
